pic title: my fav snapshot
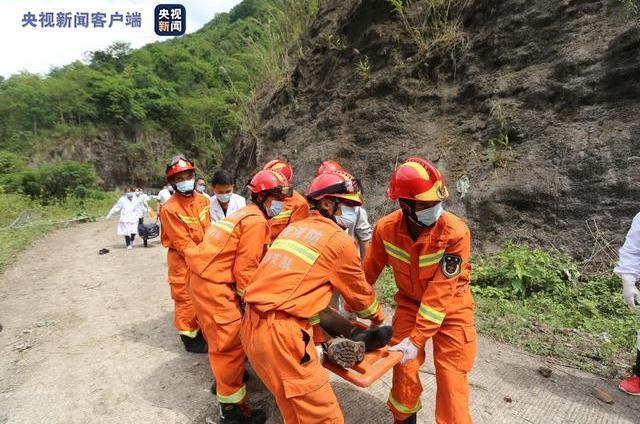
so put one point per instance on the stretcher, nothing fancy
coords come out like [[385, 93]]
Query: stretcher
[[374, 365]]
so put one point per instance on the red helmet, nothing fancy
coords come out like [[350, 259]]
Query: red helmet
[[282, 167], [329, 166], [337, 184], [417, 179], [178, 164], [270, 182]]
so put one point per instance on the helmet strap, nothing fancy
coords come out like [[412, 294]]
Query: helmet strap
[[409, 211], [258, 199], [325, 213]]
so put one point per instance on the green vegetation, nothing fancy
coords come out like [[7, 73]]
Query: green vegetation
[[539, 301], [435, 26], [499, 144], [363, 67], [23, 220], [193, 87]]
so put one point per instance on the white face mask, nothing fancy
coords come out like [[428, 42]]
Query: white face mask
[[275, 208], [429, 216], [130, 195], [185, 186], [224, 198], [201, 189], [348, 217]]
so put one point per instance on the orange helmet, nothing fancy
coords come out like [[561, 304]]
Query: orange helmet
[[178, 164], [417, 179], [270, 182], [337, 184], [329, 166], [282, 167]]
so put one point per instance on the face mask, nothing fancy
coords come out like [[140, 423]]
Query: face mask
[[348, 217], [185, 187], [129, 195], [429, 216], [275, 208], [224, 198], [201, 189]]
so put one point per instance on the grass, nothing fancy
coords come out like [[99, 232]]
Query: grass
[[539, 301], [40, 219], [435, 28], [499, 144], [363, 67]]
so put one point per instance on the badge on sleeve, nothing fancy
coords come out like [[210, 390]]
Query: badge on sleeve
[[451, 265]]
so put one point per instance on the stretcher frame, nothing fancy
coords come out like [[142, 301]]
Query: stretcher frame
[[374, 365]]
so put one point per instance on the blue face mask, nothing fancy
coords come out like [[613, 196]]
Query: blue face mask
[[130, 195], [224, 198], [348, 217], [429, 216], [201, 189], [275, 208], [185, 187]]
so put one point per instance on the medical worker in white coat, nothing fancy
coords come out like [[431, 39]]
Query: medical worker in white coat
[[224, 201], [128, 224]]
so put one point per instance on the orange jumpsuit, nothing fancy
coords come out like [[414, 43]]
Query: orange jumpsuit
[[184, 221], [295, 208], [434, 301], [294, 283], [220, 267]]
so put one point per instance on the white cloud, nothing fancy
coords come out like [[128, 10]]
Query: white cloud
[[38, 49]]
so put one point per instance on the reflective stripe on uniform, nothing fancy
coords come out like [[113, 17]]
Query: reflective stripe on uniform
[[283, 215], [368, 311], [404, 409], [240, 292], [187, 219], [236, 397], [431, 258], [431, 314], [203, 213], [191, 334], [315, 319], [224, 225], [298, 249], [396, 252]]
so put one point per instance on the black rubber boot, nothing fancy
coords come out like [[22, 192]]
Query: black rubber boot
[[411, 420], [373, 339], [231, 413], [245, 377], [637, 369], [195, 344]]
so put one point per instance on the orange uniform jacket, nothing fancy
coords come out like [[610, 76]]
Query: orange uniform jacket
[[303, 265], [429, 271], [295, 208], [184, 222], [232, 248]]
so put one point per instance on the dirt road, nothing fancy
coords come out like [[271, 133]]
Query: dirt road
[[89, 339]]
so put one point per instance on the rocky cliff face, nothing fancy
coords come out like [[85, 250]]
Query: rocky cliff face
[[554, 83]]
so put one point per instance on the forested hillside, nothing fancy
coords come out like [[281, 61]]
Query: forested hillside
[[125, 111]]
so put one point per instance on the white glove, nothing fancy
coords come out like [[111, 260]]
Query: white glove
[[108, 216], [320, 352], [408, 349], [630, 292]]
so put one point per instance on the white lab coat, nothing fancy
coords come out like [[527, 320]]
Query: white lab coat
[[128, 215], [163, 196], [236, 203], [143, 205], [630, 251]]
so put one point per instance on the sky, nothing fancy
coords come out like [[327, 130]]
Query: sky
[[38, 49]]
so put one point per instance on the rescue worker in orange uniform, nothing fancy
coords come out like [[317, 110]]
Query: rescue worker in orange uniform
[[291, 286], [295, 207], [184, 218], [219, 271], [428, 250]]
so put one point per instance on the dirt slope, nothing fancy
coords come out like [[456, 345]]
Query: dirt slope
[[88, 339], [563, 71]]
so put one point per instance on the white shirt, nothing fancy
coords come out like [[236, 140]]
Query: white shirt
[[236, 203], [163, 196], [143, 206], [128, 209], [630, 251], [361, 230]]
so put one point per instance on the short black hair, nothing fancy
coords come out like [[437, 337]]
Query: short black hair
[[221, 177], [200, 177]]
